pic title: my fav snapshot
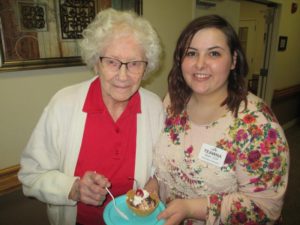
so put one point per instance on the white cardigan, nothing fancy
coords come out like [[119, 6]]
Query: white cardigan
[[49, 159]]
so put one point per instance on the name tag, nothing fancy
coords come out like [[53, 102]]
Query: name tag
[[212, 155]]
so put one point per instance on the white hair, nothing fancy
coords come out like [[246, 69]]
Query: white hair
[[111, 22]]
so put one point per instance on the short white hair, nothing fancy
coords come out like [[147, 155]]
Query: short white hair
[[111, 22]]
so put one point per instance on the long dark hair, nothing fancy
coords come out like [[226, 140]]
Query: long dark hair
[[180, 92]]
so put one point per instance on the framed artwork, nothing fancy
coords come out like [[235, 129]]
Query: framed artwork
[[282, 43], [46, 33]]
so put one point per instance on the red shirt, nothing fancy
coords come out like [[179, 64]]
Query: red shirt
[[108, 147]]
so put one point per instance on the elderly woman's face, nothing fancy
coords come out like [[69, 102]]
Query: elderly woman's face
[[120, 81]]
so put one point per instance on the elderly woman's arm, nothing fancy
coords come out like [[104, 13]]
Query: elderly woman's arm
[[40, 163]]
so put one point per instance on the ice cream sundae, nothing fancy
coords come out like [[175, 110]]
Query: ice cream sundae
[[141, 202]]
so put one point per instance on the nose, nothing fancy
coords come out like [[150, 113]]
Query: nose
[[201, 61], [122, 72]]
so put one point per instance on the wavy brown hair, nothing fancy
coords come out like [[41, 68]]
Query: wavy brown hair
[[180, 92]]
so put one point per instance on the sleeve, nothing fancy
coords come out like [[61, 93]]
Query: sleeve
[[41, 165], [157, 131], [167, 101], [261, 168]]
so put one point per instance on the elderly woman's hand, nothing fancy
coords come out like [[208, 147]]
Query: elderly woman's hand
[[90, 189]]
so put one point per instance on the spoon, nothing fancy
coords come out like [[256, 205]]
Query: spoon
[[119, 211]]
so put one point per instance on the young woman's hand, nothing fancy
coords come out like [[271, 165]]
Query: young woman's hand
[[151, 185], [90, 189], [180, 209]]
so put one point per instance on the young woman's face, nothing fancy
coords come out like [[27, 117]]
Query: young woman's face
[[207, 63], [118, 85]]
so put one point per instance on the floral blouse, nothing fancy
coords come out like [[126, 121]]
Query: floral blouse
[[248, 187]]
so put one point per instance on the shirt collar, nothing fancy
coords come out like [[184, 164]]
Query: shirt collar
[[94, 101]]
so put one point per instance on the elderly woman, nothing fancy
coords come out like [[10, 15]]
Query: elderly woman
[[100, 133]]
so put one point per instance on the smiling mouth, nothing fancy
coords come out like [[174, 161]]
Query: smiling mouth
[[201, 75], [121, 88], [122, 85]]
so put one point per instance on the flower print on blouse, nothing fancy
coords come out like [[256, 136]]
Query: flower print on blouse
[[176, 125], [249, 187]]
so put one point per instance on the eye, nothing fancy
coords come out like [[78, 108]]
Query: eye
[[112, 62], [214, 53], [134, 63], [191, 53]]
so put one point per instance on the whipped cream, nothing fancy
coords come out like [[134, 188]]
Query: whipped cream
[[138, 199]]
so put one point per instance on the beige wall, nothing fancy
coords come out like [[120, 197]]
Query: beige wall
[[230, 10], [23, 95], [168, 17]]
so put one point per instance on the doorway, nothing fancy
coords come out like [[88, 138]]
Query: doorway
[[247, 35], [257, 17]]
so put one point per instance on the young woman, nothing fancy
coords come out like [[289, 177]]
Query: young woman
[[223, 157]]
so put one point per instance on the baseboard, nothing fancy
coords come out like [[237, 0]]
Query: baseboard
[[290, 123], [9, 179]]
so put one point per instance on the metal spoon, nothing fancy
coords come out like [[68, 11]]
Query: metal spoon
[[119, 211]]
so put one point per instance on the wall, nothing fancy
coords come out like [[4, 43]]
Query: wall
[[168, 17], [227, 9], [24, 94]]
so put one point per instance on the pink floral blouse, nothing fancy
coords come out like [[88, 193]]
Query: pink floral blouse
[[249, 187]]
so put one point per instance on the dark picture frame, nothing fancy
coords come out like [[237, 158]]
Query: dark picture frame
[[47, 34], [282, 43]]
